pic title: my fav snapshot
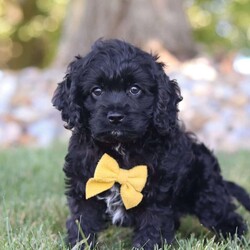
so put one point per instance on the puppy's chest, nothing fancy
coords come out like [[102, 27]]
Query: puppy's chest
[[115, 207]]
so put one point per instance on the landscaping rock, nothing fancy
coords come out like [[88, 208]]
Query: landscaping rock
[[216, 105]]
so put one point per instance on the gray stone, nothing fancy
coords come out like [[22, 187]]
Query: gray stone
[[43, 130]]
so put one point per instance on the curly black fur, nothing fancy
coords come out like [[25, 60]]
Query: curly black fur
[[119, 96]]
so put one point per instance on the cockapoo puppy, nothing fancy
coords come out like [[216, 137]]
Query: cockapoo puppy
[[129, 160]]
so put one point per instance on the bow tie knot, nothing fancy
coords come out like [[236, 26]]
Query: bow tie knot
[[122, 177], [108, 172]]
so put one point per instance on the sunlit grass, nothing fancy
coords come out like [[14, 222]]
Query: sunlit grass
[[33, 207]]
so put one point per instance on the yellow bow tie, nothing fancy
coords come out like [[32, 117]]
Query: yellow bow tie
[[108, 172]]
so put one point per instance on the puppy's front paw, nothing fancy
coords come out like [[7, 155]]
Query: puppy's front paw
[[144, 245]]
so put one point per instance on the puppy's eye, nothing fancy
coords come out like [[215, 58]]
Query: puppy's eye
[[135, 90], [97, 91]]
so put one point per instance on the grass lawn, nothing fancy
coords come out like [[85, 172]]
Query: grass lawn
[[33, 207]]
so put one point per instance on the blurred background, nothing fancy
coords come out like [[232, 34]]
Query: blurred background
[[204, 43]]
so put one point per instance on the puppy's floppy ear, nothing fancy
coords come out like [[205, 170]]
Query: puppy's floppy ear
[[166, 106], [64, 98]]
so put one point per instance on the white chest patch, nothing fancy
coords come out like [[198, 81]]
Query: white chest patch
[[115, 208]]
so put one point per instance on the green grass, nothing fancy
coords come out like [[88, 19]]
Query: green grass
[[33, 207]]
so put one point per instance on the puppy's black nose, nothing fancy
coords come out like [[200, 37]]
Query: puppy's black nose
[[115, 117]]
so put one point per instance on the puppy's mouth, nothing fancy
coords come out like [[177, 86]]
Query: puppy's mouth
[[115, 136], [116, 133]]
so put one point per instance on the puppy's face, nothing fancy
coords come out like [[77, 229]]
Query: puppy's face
[[119, 100], [117, 93]]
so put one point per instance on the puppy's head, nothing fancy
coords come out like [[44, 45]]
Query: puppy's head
[[116, 93]]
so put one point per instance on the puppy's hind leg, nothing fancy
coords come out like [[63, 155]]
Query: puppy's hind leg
[[212, 197], [216, 211]]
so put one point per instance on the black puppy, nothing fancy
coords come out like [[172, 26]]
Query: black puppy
[[118, 101]]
